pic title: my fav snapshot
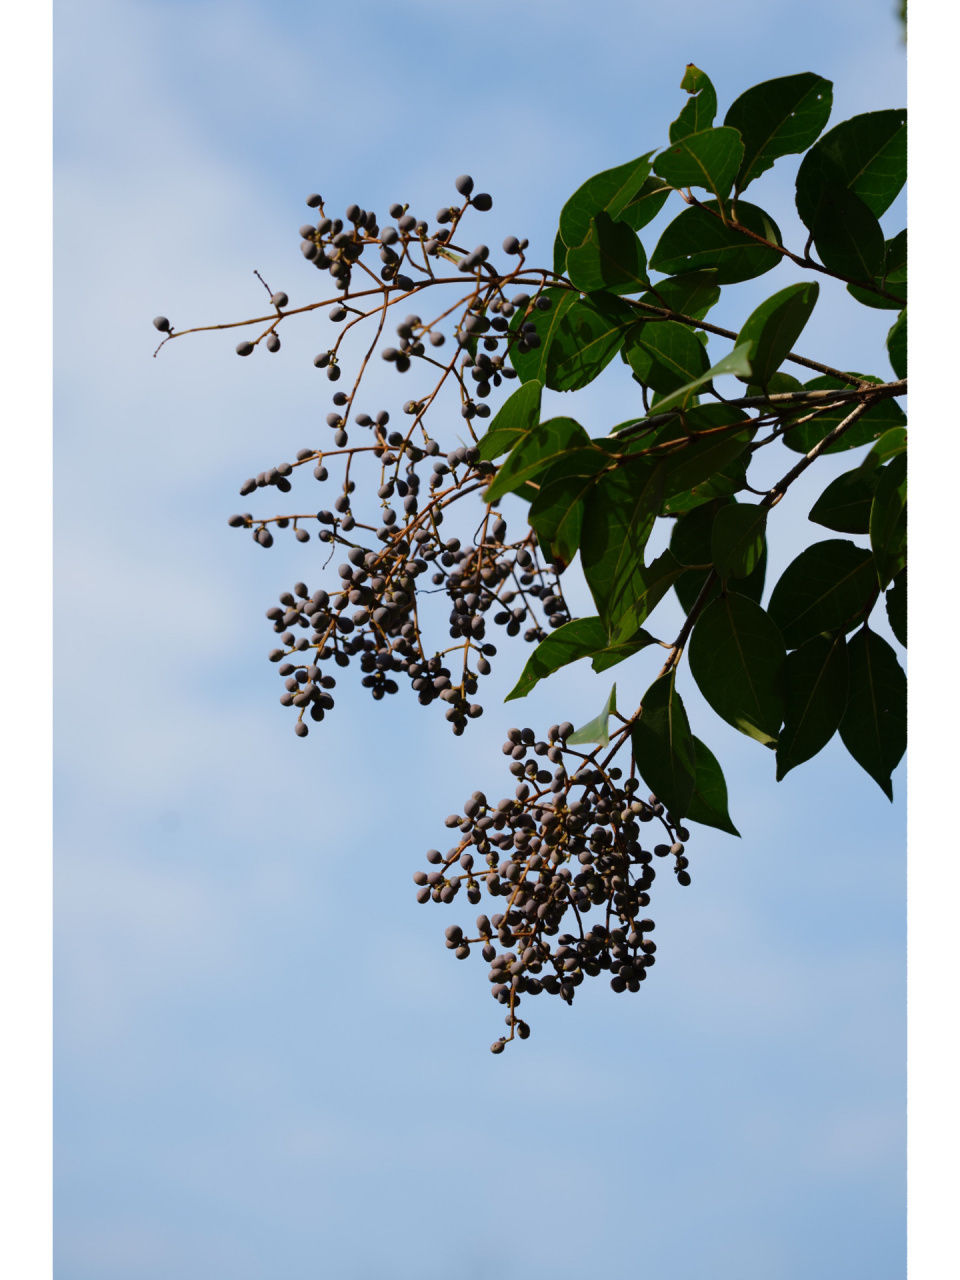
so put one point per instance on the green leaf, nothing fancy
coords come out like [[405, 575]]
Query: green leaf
[[867, 154], [874, 725], [559, 255], [692, 544], [774, 327], [897, 345], [825, 588], [698, 239], [692, 294], [646, 204], [556, 513], [533, 364], [699, 112], [517, 416], [665, 355], [611, 257], [581, 638], [738, 539], [597, 729], [896, 601], [815, 684], [778, 118], [778, 384], [845, 503], [708, 159], [736, 362], [893, 278], [651, 582], [702, 460], [847, 236], [534, 453], [663, 746], [736, 653], [585, 339], [728, 479], [888, 446], [874, 423], [608, 192], [888, 519], [619, 514], [709, 803]]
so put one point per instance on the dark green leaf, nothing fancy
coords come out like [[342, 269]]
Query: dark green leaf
[[584, 340], [619, 514], [646, 204], [534, 453], [727, 479], [692, 544], [737, 540], [867, 154], [778, 384], [559, 255], [611, 257], [825, 588], [847, 236], [870, 427], [665, 355], [515, 418], [616, 652], [663, 745], [874, 726], [736, 362], [774, 327], [815, 686], [597, 729], [888, 446], [582, 638], [888, 519], [845, 503], [692, 294], [556, 513], [778, 118], [897, 345], [708, 159], [896, 600], [652, 582], [895, 259], [608, 192], [703, 460], [709, 803], [699, 112], [736, 654], [533, 364], [698, 239], [893, 278]]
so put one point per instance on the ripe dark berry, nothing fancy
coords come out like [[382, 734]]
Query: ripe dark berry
[[273, 342], [464, 184], [161, 323], [244, 348], [279, 300], [314, 201], [482, 202]]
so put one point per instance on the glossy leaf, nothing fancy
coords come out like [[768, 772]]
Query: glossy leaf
[[867, 154], [774, 327], [846, 235], [646, 204], [708, 159], [736, 654], [692, 294], [665, 355], [698, 239], [534, 453], [897, 345], [533, 364], [581, 638], [598, 729], [619, 514], [608, 192], [888, 446], [896, 602], [729, 478], [709, 803], [778, 118], [611, 257], [517, 416], [559, 255], [874, 726], [815, 698], [738, 539], [888, 519], [556, 513], [663, 746], [845, 503], [870, 427], [699, 112], [736, 362], [825, 588], [651, 582], [585, 339]]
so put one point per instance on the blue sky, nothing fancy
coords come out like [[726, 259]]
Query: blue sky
[[241, 1089]]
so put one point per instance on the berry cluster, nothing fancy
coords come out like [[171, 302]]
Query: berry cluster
[[567, 841]]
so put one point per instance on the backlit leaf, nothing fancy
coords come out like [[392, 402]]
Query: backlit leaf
[[826, 588], [698, 239], [663, 745], [777, 118], [515, 418], [708, 159], [709, 803], [608, 192], [598, 729], [535, 451], [874, 725], [815, 697], [736, 654], [774, 327]]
